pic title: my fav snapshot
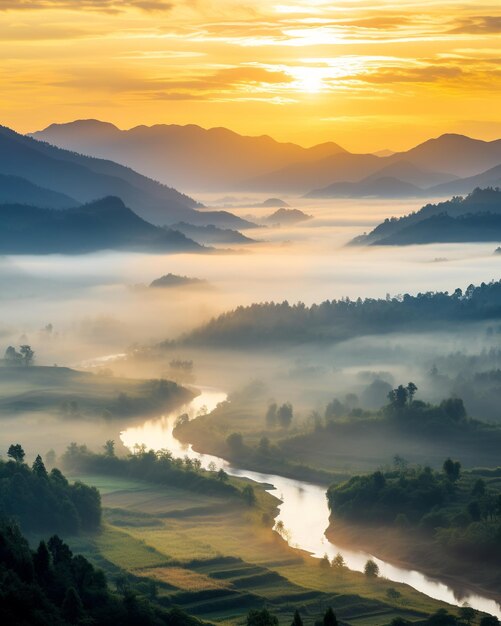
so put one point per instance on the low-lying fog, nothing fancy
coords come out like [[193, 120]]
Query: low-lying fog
[[99, 304]]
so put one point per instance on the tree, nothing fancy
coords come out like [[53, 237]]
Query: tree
[[467, 614], [324, 562], [38, 467], [248, 495], [442, 618], [285, 415], [41, 561], [12, 356], [371, 569], [235, 442], [330, 618], [27, 354], [222, 475], [72, 606], [393, 594], [338, 561], [271, 415], [398, 397], [296, 620], [452, 470], [411, 391], [454, 409], [50, 458], [109, 448], [264, 446], [489, 620], [261, 618], [16, 452]]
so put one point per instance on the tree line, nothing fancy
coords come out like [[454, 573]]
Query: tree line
[[338, 320], [45, 501]]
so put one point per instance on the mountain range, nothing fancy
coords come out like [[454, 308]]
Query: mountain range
[[187, 157], [37, 173], [217, 159]]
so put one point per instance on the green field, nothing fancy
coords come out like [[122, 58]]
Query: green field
[[217, 558]]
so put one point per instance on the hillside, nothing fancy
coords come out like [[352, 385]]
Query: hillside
[[189, 156], [14, 189], [386, 187], [269, 324], [209, 235], [106, 224], [446, 229], [478, 203]]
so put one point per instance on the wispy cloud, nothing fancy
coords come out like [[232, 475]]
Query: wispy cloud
[[479, 25], [107, 6]]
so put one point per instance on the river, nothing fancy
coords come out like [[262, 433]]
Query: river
[[303, 510]]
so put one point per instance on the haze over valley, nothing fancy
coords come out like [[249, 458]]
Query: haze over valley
[[250, 328]]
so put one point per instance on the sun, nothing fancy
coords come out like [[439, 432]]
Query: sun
[[308, 79]]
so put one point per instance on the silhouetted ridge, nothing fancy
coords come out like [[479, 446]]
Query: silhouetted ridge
[[104, 224]]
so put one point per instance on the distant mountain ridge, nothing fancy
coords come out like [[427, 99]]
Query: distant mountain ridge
[[188, 157], [218, 159], [106, 224]]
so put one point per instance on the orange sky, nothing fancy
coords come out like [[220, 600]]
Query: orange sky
[[369, 75]]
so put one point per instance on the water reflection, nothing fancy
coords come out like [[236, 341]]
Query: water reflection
[[304, 514]]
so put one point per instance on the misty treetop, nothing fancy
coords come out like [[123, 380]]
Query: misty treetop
[[337, 320], [45, 501], [460, 510], [157, 467]]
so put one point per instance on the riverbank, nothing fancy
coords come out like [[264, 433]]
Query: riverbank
[[202, 442], [413, 549]]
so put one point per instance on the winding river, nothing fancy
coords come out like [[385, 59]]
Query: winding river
[[303, 509]]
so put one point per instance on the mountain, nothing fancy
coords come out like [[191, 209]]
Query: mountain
[[14, 189], [478, 204], [408, 172], [188, 157], [301, 177], [87, 179], [446, 229], [454, 154], [173, 280], [490, 178], [221, 219], [209, 235], [105, 224], [386, 187], [284, 217]]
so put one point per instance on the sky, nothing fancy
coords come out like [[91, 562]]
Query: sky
[[367, 75]]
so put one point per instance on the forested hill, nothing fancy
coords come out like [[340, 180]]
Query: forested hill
[[337, 320], [459, 219]]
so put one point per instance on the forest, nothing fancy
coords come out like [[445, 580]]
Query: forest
[[332, 321]]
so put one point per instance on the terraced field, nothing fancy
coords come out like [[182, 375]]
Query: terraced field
[[236, 563]]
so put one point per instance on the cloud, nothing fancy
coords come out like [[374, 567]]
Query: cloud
[[480, 25], [107, 6], [430, 74], [234, 80]]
